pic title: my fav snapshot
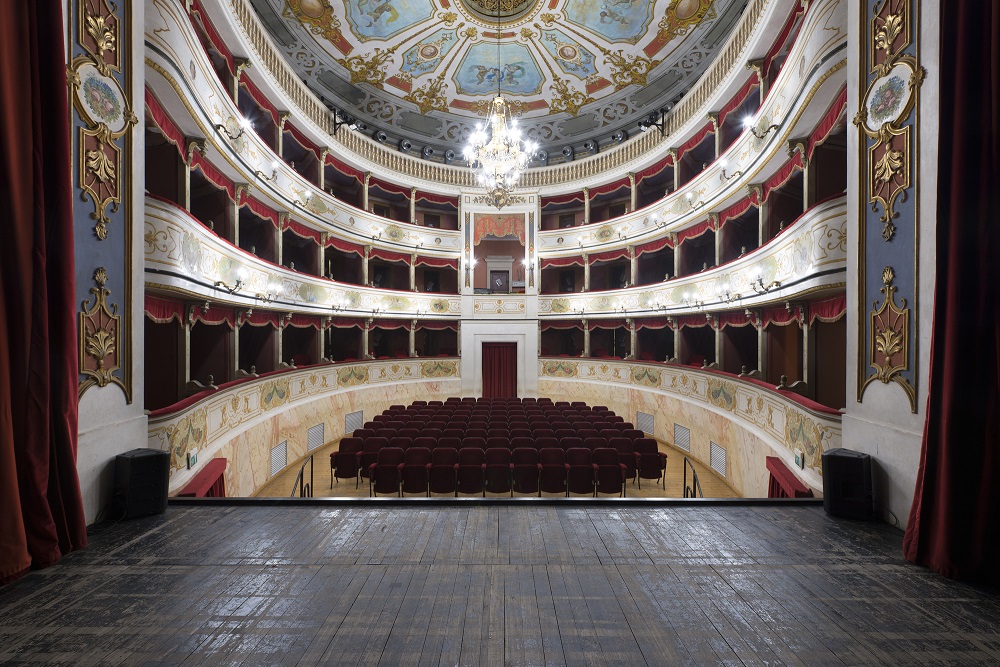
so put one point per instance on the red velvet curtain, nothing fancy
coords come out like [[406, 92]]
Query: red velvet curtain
[[41, 511], [956, 507], [499, 370]]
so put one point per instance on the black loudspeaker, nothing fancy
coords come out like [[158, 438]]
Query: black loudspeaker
[[847, 484], [141, 479]]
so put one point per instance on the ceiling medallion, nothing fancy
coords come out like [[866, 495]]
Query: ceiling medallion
[[507, 10]]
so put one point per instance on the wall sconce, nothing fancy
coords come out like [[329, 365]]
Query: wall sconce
[[728, 177], [621, 233], [304, 201], [725, 295], [758, 283], [274, 290], [339, 306], [748, 124], [264, 177], [232, 289], [244, 125], [691, 302], [694, 205], [657, 119], [377, 236]]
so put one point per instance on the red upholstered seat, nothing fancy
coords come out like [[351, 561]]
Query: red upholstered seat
[[579, 471], [383, 475], [497, 470], [626, 454], [413, 470], [524, 470], [441, 473], [609, 473], [552, 470], [469, 473], [650, 462], [344, 461]]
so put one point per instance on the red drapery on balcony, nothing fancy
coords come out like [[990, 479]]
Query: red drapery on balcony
[[260, 98], [576, 195], [654, 169], [499, 370], [213, 34], [438, 262], [41, 511], [437, 325], [733, 318], [213, 175], [651, 323], [612, 323], [259, 209], [694, 231], [437, 199], [261, 318], [389, 255], [300, 321], [344, 246], [303, 232], [499, 226], [345, 169], [390, 324], [344, 323], [391, 188], [562, 324], [609, 188], [556, 262], [780, 316], [786, 30], [162, 119], [215, 315], [830, 120], [736, 210], [607, 255], [303, 140], [781, 176], [828, 310], [698, 137], [693, 321], [653, 246], [737, 100], [161, 310]]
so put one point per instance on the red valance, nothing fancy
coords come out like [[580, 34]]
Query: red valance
[[345, 169], [387, 324], [693, 321], [737, 100], [389, 255], [561, 261], [344, 246], [261, 318], [259, 208], [830, 120], [438, 325], [694, 231], [736, 210], [344, 323], [498, 226], [439, 262], [162, 311], [300, 321], [733, 318], [828, 310], [170, 131], [562, 324], [655, 169], [782, 483], [576, 195], [653, 246], [651, 323], [304, 232], [781, 176], [386, 186], [213, 175], [437, 199], [607, 255], [698, 137], [260, 98], [786, 30], [613, 323], [302, 139], [608, 188], [210, 482], [213, 35], [780, 316], [215, 315]]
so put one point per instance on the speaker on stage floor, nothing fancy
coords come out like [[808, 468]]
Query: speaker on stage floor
[[848, 490], [141, 479]]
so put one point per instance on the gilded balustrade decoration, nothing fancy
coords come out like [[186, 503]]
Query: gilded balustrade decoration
[[887, 122], [99, 79]]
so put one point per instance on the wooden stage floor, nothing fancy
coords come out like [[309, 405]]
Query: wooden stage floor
[[539, 584]]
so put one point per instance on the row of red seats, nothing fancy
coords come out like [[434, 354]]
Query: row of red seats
[[455, 432], [471, 470]]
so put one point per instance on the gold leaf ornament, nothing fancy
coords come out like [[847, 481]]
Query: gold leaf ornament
[[888, 165], [101, 32], [101, 165]]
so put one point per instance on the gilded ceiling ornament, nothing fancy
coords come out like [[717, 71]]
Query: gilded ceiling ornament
[[317, 15], [889, 342], [431, 96], [99, 341], [448, 18], [628, 70], [566, 98], [369, 68], [683, 15]]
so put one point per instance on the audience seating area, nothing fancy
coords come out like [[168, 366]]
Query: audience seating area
[[500, 446]]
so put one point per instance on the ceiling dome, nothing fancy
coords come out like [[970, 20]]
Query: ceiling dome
[[575, 72]]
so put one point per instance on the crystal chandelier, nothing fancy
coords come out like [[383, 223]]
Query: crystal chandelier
[[498, 154]]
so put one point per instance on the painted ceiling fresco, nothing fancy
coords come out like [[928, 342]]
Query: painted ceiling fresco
[[426, 70]]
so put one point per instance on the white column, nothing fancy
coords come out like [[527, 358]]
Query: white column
[[413, 338]]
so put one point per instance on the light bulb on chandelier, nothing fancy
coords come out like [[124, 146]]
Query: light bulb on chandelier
[[496, 151]]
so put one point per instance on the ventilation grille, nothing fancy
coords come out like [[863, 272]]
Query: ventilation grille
[[682, 438], [717, 458], [645, 422], [353, 421], [279, 457], [315, 437]]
